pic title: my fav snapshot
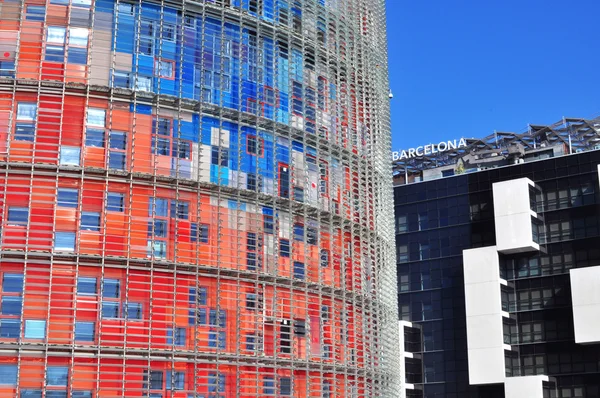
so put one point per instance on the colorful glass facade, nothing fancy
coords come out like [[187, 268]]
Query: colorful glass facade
[[195, 199]]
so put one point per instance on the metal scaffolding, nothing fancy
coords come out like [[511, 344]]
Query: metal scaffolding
[[197, 199]]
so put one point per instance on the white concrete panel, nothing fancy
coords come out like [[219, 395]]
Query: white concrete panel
[[512, 213], [483, 265], [486, 366], [483, 306], [485, 331], [585, 294], [526, 386], [511, 197]]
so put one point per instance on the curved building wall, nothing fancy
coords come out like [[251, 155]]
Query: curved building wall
[[195, 199]]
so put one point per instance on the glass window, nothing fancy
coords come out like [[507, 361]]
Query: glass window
[[156, 380], [31, 393], [179, 336], [285, 386], [12, 283], [56, 35], [143, 83], [160, 208], [67, 197], [81, 394], [64, 241], [299, 232], [11, 305], [55, 53], [26, 111], [86, 286], [180, 209], [200, 233], [268, 224], [25, 131], [158, 229], [35, 329], [94, 137], [69, 155], [96, 117], [60, 2], [160, 146], [132, 311], [10, 328], [57, 376], [116, 160], [298, 270], [77, 56], [117, 140], [111, 288], [164, 68], [8, 375], [284, 248], [110, 309], [90, 221], [176, 381], [115, 201], [7, 68], [82, 3], [268, 386], [216, 382], [36, 13], [78, 37], [122, 79], [84, 331]]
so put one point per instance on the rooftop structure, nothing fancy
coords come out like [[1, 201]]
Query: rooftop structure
[[569, 135]]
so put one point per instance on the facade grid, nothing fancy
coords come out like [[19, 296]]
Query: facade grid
[[196, 199]]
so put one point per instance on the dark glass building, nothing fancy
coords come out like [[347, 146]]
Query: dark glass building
[[497, 258]]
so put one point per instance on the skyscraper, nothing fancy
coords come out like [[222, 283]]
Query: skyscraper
[[195, 199]]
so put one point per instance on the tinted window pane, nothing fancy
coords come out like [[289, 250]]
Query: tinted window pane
[[31, 393], [110, 310], [10, 328], [90, 221], [35, 329], [18, 215], [57, 376], [11, 305], [12, 283], [115, 201], [84, 331], [94, 137], [64, 241], [110, 288], [8, 375], [69, 155], [86, 285], [67, 197]]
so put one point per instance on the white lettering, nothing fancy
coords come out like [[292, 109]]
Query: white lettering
[[429, 149]]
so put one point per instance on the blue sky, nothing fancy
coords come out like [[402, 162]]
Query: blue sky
[[461, 68]]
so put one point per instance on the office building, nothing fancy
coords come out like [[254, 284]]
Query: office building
[[498, 265], [195, 199]]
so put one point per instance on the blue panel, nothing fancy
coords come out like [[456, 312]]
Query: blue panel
[[297, 146], [267, 211], [311, 151], [141, 109]]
